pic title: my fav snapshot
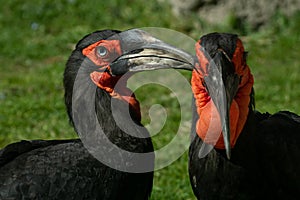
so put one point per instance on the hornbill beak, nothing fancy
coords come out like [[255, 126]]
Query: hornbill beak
[[142, 52], [222, 84]]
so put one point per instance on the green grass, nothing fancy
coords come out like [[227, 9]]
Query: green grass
[[274, 59], [37, 37]]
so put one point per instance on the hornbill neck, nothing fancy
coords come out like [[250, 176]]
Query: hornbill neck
[[222, 85], [119, 121]]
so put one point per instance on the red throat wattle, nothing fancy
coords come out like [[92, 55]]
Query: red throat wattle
[[208, 127], [117, 89], [114, 85]]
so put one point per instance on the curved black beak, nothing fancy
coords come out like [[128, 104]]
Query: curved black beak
[[142, 52], [222, 85]]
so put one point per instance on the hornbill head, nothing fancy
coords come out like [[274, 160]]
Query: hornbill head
[[108, 55], [222, 86]]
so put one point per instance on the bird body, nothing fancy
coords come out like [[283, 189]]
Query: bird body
[[259, 161], [256, 168], [63, 169]]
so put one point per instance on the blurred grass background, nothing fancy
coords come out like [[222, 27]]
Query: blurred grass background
[[37, 37]]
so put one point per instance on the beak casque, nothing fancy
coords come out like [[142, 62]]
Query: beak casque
[[141, 52]]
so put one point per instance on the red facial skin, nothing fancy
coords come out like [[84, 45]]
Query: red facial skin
[[103, 79], [208, 126]]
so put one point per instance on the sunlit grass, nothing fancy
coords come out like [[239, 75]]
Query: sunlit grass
[[37, 37]]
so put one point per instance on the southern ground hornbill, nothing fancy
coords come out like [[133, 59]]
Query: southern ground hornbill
[[65, 169], [257, 155]]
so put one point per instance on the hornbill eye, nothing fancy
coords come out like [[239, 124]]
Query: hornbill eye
[[101, 51]]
